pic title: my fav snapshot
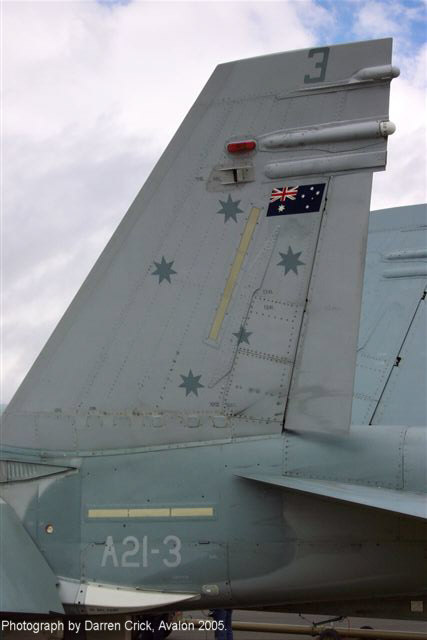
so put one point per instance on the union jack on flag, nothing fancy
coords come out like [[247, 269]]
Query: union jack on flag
[[282, 194], [286, 201]]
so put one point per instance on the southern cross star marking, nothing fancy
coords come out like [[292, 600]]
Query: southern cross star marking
[[163, 270], [230, 208], [290, 261], [242, 335], [191, 383]]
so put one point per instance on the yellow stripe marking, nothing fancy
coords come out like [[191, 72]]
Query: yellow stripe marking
[[155, 512], [234, 272], [108, 513], [149, 513], [181, 512]]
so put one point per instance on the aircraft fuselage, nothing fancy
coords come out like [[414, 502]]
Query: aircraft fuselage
[[183, 519]]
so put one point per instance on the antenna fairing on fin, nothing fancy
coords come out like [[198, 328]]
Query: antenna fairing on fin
[[384, 72], [324, 134]]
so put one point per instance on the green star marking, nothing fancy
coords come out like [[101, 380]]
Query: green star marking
[[191, 383], [290, 261], [229, 208], [163, 270], [242, 335]]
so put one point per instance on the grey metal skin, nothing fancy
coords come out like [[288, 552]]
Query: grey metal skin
[[151, 350], [183, 440], [265, 545], [391, 372]]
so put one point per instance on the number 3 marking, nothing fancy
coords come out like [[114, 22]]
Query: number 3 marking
[[321, 64], [173, 551]]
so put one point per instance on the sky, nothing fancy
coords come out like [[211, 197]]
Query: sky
[[94, 90]]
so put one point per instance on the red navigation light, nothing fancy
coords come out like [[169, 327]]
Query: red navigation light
[[241, 147]]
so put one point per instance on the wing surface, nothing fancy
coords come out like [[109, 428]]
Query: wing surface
[[402, 502]]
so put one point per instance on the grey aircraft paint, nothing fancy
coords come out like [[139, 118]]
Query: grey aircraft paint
[[184, 440]]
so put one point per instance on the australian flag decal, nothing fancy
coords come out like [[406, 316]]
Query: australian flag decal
[[286, 201]]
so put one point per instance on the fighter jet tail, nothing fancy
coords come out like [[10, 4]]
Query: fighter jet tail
[[227, 302]]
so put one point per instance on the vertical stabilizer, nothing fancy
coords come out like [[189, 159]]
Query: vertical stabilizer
[[229, 296]]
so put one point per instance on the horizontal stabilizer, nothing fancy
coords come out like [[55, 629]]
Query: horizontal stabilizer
[[403, 502], [27, 584]]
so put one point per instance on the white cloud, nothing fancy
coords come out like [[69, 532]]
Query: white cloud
[[405, 180], [92, 94], [376, 19], [385, 18]]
